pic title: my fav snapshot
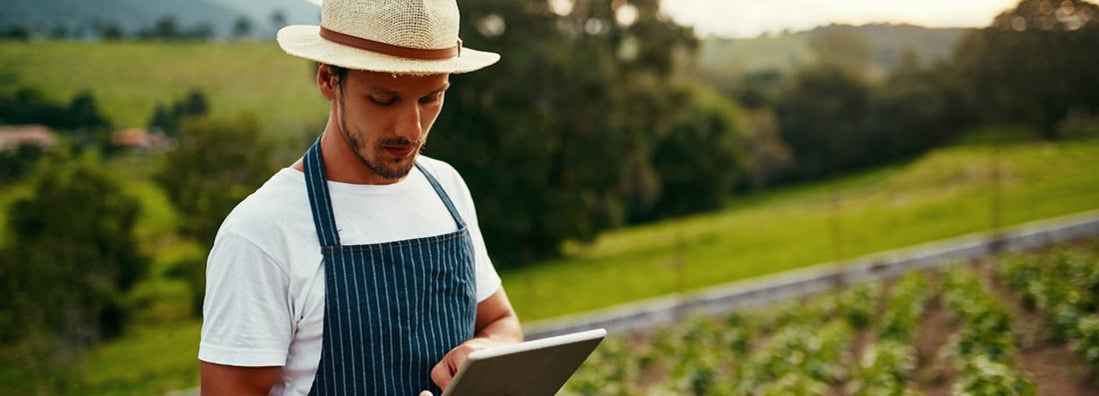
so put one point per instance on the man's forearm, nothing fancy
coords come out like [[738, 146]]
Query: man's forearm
[[497, 321], [503, 329]]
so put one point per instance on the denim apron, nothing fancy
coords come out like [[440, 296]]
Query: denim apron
[[391, 310]]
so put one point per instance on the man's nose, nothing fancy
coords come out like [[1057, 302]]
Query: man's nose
[[408, 122]]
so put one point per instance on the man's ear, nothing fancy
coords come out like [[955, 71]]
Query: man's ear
[[327, 81]]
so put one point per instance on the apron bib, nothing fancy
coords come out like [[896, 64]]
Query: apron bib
[[392, 310]]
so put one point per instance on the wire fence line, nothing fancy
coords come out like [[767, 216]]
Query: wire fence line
[[818, 278]]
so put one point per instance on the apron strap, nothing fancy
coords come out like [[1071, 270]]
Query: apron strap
[[442, 194], [316, 183], [324, 221]]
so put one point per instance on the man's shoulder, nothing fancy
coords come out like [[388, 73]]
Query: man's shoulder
[[273, 206]]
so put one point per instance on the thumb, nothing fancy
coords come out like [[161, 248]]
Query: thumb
[[425, 393]]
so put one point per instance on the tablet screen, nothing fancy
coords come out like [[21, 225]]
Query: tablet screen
[[533, 368]]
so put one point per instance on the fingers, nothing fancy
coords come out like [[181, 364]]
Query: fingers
[[441, 374]]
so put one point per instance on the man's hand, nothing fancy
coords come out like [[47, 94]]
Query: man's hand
[[497, 325], [443, 372]]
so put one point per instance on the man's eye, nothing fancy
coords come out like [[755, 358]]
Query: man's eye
[[383, 100], [435, 97]]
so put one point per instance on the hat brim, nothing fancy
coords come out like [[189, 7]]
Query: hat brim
[[304, 41]]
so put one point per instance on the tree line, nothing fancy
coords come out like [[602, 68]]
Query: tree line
[[595, 118], [166, 28]]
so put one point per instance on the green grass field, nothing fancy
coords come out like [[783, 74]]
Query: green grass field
[[129, 79]]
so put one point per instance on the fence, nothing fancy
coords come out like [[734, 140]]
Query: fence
[[798, 283]]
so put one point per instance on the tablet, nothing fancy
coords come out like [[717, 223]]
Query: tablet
[[533, 368]]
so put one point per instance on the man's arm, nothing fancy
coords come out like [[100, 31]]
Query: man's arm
[[218, 379], [497, 324]]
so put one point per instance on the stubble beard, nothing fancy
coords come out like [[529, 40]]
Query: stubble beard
[[398, 169]]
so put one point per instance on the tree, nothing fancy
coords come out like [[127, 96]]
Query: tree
[[1034, 64], [700, 159], [821, 117], [69, 260], [17, 162], [215, 164], [170, 119], [16, 32], [195, 104], [166, 28], [83, 113], [242, 27], [278, 19], [164, 122], [916, 108], [766, 155], [199, 32], [109, 30], [556, 141], [29, 106], [83, 120]]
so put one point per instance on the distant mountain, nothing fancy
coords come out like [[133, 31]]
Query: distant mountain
[[889, 41], [788, 51], [79, 17], [262, 12]]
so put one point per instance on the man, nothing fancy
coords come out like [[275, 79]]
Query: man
[[360, 269]]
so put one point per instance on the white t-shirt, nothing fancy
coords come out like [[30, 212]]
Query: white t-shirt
[[264, 302]]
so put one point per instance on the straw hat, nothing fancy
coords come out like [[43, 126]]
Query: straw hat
[[393, 36]]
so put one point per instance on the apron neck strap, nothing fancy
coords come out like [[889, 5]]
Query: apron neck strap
[[445, 197], [316, 183]]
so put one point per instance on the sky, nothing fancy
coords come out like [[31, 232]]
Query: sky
[[750, 18]]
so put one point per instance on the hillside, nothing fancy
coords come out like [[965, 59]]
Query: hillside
[[788, 51], [129, 79], [79, 17]]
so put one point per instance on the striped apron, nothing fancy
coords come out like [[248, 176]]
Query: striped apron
[[392, 310]]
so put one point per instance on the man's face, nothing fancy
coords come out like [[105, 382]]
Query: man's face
[[385, 118]]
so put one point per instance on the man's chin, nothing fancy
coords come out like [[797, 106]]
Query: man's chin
[[396, 169]]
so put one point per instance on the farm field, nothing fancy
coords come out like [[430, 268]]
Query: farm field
[[967, 188], [944, 194], [950, 192], [1019, 324]]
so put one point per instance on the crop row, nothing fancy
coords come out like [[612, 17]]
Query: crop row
[[1064, 286], [984, 349], [859, 340]]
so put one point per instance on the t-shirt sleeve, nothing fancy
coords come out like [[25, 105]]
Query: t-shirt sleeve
[[247, 319]]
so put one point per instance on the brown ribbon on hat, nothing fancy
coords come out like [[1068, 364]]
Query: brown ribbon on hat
[[390, 49]]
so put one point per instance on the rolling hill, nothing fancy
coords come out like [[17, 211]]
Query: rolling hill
[[788, 51], [79, 18]]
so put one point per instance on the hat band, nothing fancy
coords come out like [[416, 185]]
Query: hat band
[[390, 49]]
